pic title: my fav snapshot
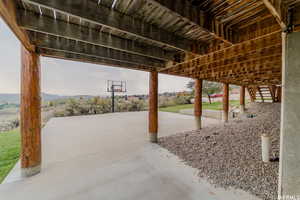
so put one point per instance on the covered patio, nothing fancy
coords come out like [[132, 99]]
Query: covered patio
[[251, 43], [80, 162]]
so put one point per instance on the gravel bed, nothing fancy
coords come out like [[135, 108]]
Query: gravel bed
[[229, 155]]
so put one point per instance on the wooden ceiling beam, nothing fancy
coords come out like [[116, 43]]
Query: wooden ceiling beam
[[94, 13], [277, 12], [9, 15], [43, 24], [90, 59], [77, 47]]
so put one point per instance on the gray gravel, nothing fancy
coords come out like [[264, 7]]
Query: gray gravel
[[229, 155]]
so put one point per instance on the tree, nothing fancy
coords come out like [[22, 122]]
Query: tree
[[208, 88]]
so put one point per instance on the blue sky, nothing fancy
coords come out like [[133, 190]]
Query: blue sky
[[72, 78]]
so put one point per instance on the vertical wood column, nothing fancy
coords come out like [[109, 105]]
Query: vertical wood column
[[198, 103], [242, 99], [278, 94], [30, 112], [153, 106], [225, 101]]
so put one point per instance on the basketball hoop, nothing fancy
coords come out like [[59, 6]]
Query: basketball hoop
[[115, 86]]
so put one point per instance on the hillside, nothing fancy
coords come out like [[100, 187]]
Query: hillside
[[15, 98]]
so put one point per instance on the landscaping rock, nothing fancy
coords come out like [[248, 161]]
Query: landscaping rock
[[229, 155], [8, 125]]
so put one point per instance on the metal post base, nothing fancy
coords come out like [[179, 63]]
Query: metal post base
[[153, 137], [198, 122], [242, 109], [31, 171], [225, 117]]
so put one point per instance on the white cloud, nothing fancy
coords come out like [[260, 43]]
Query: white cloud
[[71, 78]]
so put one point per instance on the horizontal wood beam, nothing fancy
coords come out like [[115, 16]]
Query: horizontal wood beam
[[95, 13], [90, 59], [62, 44], [276, 12], [251, 61], [43, 24], [8, 13]]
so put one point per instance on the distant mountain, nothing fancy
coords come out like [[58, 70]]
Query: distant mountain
[[15, 98], [9, 98]]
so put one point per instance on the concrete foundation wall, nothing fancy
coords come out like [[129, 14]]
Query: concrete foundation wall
[[289, 180]]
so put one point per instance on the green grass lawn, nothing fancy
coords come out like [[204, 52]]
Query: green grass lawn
[[205, 106], [9, 151]]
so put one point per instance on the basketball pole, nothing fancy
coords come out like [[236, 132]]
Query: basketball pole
[[113, 99], [115, 86]]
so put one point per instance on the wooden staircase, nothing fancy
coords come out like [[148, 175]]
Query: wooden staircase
[[265, 93]]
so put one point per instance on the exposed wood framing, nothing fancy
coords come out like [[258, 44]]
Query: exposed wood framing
[[44, 24], [251, 62], [252, 92], [260, 94], [247, 7], [89, 59], [97, 14], [277, 12], [272, 89], [8, 13], [296, 16], [194, 15], [239, 41], [71, 46]]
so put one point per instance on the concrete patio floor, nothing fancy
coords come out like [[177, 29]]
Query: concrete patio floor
[[104, 157]]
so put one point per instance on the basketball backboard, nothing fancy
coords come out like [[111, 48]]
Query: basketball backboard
[[116, 86]]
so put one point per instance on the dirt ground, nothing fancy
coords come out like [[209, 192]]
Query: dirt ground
[[229, 155]]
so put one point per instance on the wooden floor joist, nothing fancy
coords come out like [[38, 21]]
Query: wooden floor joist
[[195, 15], [43, 24], [251, 61], [91, 11], [77, 47]]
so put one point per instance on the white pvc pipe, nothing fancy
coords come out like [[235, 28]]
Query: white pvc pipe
[[265, 148]]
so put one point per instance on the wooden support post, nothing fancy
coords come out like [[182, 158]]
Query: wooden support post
[[225, 101], [278, 94], [153, 106], [198, 103], [242, 99], [30, 114], [260, 94], [251, 92]]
